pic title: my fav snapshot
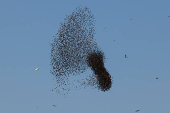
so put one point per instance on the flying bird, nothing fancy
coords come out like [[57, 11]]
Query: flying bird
[[156, 77], [130, 19], [137, 110], [36, 68], [54, 105], [126, 56]]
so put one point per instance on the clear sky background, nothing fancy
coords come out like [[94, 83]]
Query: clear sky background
[[27, 28]]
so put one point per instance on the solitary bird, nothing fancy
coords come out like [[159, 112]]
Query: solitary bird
[[126, 56], [54, 105], [156, 77], [36, 68], [137, 110]]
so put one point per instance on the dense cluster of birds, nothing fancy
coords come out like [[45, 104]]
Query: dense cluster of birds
[[95, 61], [74, 50]]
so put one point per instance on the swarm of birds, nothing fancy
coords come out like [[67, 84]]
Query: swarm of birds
[[95, 61], [74, 51]]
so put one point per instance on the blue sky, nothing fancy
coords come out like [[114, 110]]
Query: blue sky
[[27, 29]]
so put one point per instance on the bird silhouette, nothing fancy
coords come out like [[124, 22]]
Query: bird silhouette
[[54, 105], [137, 110]]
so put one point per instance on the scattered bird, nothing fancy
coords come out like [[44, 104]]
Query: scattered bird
[[130, 19], [36, 68], [104, 27], [126, 56], [54, 105], [137, 110], [37, 107], [168, 16], [114, 40], [156, 77]]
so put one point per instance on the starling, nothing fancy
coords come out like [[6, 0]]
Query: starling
[[74, 50], [95, 61], [137, 110], [54, 105]]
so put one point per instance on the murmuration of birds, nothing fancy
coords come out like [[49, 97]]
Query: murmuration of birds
[[74, 50]]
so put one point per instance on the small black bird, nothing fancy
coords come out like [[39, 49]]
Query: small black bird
[[126, 56], [137, 110], [54, 105], [156, 77]]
